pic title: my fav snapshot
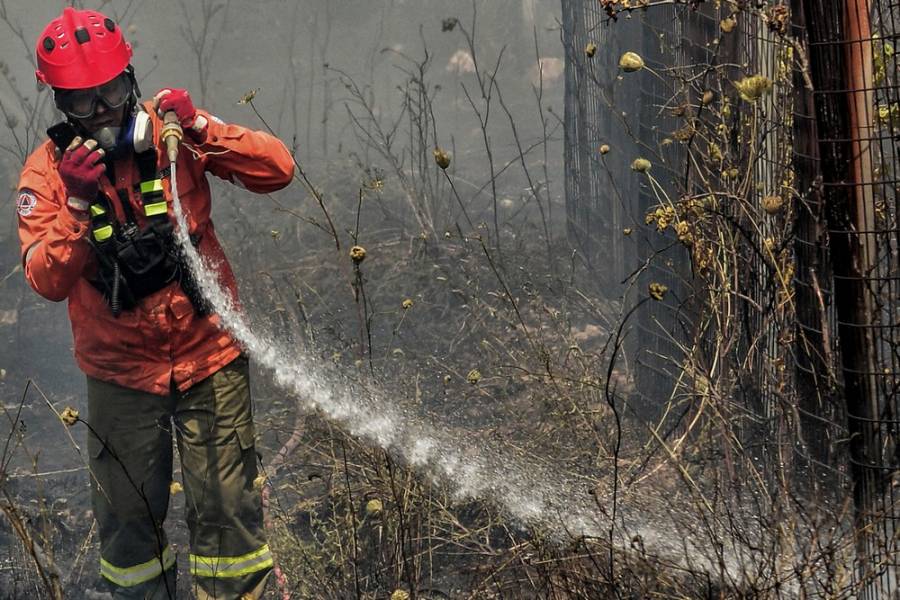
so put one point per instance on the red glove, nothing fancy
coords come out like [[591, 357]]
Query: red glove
[[80, 171], [179, 101]]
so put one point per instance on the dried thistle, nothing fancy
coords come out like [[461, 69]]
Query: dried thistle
[[657, 291], [590, 49], [753, 87], [441, 158], [69, 416], [631, 62], [641, 165], [357, 254], [374, 507], [474, 376]]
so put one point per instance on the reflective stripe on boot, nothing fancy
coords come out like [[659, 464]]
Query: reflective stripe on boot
[[138, 574], [231, 566]]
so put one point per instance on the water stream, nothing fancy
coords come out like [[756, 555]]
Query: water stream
[[533, 494]]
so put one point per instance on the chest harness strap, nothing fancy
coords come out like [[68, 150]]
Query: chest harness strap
[[136, 262]]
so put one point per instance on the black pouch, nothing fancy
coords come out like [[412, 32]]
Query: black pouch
[[146, 261]]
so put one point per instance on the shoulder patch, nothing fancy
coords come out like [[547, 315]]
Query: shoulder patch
[[25, 202]]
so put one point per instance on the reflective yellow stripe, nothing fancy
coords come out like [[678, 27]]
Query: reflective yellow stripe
[[157, 208], [131, 576], [154, 185], [103, 233], [231, 566], [97, 210]]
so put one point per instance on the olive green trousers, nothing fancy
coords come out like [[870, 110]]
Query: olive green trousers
[[130, 445]]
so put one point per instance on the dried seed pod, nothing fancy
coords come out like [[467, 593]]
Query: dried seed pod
[[474, 376], [604, 149], [772, 204], [590, 49], [357, 254], [631, 62], [708, 97], [441, 158], [407, 304], [627, 231], [69, 416]]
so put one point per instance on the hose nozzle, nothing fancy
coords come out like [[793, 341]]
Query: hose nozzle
[[171, 135]]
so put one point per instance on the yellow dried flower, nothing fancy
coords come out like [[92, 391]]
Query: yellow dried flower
[[69, 416], [727, 24], [474, 376], [657, 290], [407, 304], [374, 507], [400, 595], [627, 231], [276, 235], [753, 87], [769, 243], [772, 204], [259, 482], [357, 254], [631, 62], [175, 487], [682, 229], [590, 49], [641, 165], [604, 149], [441, 158]]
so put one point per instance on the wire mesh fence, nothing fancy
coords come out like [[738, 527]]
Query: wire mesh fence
[[769, 224]]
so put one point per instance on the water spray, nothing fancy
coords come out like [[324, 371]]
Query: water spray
[[531, 493]]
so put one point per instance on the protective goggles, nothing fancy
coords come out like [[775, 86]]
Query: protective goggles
[[82, 104]]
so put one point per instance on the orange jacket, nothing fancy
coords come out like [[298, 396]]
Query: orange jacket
[[160, 341]]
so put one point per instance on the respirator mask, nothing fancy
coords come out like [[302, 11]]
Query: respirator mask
[[135, 135]]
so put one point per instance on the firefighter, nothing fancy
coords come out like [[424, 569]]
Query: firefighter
[[96, 226]]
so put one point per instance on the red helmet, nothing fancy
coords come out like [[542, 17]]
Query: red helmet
[[81, 49]]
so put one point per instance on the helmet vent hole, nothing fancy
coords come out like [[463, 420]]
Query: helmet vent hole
[[82, 36], [64, 45], [108, 23], [49, 44], [100, 34]]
